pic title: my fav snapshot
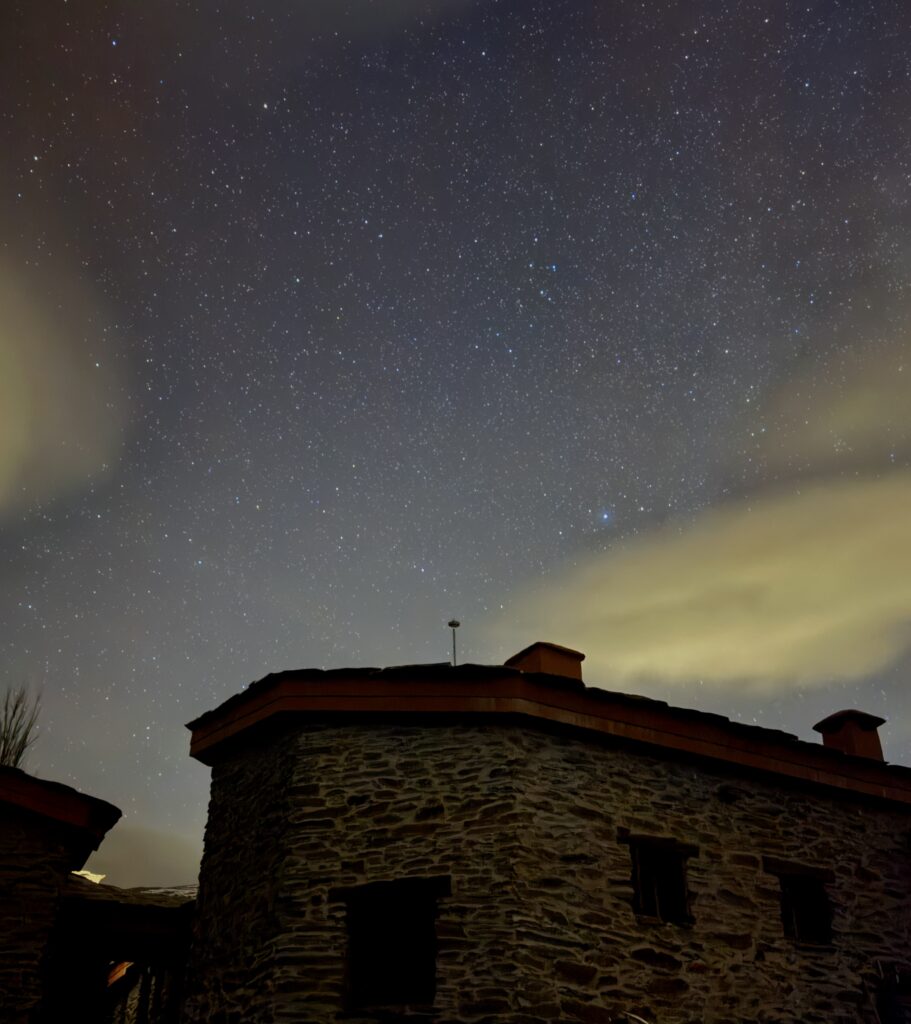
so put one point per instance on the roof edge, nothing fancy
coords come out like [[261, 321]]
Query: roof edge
[[61, 804], [498, 692]]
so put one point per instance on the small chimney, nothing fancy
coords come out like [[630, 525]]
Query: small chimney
[[550, 658], [852, 732]]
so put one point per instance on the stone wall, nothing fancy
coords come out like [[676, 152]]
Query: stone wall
[[593, 959], [539, 926], [385, 803], [34, 863], [341, 806], [236, 946]]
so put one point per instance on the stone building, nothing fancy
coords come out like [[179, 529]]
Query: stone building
[[71, 949], [119, 954], [504, 844], [47, 830]]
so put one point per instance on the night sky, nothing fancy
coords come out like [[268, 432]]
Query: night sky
[[324, 322]]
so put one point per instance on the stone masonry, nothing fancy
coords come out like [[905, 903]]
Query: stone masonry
[[528, 822], [46, 830], [588, 953], [34, 864]]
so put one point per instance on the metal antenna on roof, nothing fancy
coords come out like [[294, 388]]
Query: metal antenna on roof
[[454, 625]]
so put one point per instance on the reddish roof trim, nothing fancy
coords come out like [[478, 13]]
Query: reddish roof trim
[[60, 803], [549, 699]]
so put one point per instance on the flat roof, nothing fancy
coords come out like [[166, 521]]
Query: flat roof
[[498, 692]]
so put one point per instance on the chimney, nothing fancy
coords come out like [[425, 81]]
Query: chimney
[[550, 658], [852, 732]]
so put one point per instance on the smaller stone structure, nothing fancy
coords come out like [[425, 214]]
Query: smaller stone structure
[[71, 949], [47, 830], [119, 954]]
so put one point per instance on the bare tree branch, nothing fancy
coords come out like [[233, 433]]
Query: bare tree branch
[[18, 725]]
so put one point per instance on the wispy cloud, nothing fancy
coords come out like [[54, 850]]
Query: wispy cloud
[[854, 412], [805, 581], [806, 587], [60, 420]]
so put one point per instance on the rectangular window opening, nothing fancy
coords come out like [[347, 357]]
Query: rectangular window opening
[[806, 913], [659, 878], [392, 945], [893, 1000], [806, 910]]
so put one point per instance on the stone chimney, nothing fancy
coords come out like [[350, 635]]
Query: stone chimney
[[852, 732], [550, 658]]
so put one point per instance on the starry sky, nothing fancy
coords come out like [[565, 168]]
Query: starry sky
[[327, 321]]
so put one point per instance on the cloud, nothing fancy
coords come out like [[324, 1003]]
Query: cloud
[[806, 581], [788, 588], [852, 412], [133, 855], [60, 424]]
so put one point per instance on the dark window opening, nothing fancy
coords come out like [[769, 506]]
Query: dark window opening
[[806, 913], [659, 878], [392, 944], [894, 1007], [893, 1000], [806, 910]]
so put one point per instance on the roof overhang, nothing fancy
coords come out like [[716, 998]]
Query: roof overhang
[[86, 818], [497, 694]]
